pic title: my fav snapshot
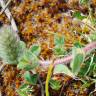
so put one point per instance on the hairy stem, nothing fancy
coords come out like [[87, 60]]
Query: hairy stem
[[87, 49]]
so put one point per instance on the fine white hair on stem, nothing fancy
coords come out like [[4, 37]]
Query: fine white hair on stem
[[65, 60]]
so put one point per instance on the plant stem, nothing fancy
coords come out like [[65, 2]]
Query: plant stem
[[65, 60], [48, 78], [41, 85]]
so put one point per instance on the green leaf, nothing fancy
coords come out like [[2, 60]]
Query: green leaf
[[35, 49], [59, 51], [28, 61], [77, 44], [21, 93], [90, 64], [88, 67], [93, 20], [78, 58], [28, 55], [31, 78], [94, 70], [55, 85], [22, 46], [21, 49], [92, 36], [78, 15], [26, 65], [59, 45], [24, 90], [91, 72], [60, 68], [24, 87], [59, 40], [86, 85], [84, 1], [83, 69], [22, 64]]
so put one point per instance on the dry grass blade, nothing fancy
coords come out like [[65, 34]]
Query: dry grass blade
[[8, 14], [0, 93], [1, 67], [5, 7]]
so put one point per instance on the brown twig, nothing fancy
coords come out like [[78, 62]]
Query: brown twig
[[61, 90], [41, 85]]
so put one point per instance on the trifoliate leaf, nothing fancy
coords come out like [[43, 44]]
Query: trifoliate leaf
[[59, 40], [22, 63], [35, 49], [55, 85], [26, 65], [23, 90], [59, 50], [21, 93], [59, 45], [31, 78], [24, 87], [28, 61]]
